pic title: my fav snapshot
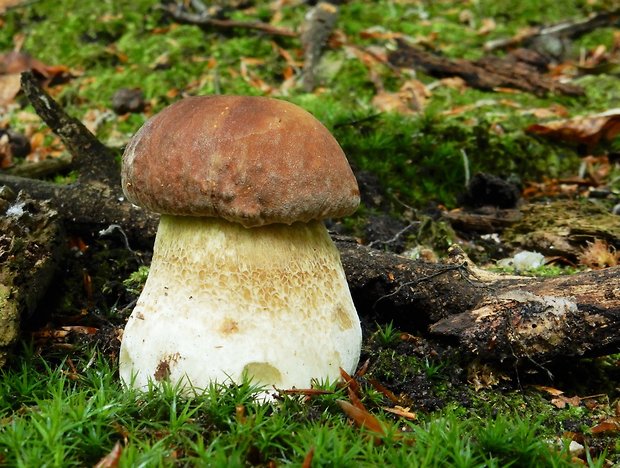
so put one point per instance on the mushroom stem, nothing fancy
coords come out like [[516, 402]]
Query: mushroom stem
[[222, 301]]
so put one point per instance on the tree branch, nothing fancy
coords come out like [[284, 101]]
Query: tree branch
[[204, 20]]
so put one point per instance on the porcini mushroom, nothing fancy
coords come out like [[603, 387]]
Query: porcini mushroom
[[245, 280]]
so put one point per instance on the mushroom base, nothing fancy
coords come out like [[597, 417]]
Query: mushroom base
[[223, 302]]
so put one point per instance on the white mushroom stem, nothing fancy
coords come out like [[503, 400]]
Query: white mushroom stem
[[222, 301]]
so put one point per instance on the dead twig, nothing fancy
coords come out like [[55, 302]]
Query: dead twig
[[487, 73], [566, 29], [179, 13]]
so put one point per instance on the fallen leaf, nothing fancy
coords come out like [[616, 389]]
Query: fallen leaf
[[588, 130], [6, 156], [250, 77], [386, 392], [549, 390], [349, 381], [561, 401], [554, 110], [361, 371], [111, 459], [307, 463], [355, 400], [17, 62], [82, 330], [13, 63], [5, 4], [609, 425], [455, 82], [402, 412], [481, 103], [408, 100], [361, 418], [488, 25], [391, 102], [9, 87], [379, 33]]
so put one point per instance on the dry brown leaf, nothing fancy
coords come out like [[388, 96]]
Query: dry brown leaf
[[6, 156], [561, 401], [349, 381], [409, 100], [549, 390], [9, 87], [391, 102], [17, 62], [380, 34], [307, 463], [111, 459], [361, 371], [361, 417], [554, 110], [488, 25], [13, 63], [250, 77], [82, 330], [355, 400], [386, 392], [467, 17], [6, 4], [455, 82], [588, 130], [609, 425], [402, 412], [481, 103]]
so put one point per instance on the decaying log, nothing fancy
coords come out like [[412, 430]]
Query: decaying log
[[492, 316], [31, 246], [542, 320], [487, 73]]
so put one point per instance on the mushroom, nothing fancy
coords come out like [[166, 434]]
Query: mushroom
[[245, 280]]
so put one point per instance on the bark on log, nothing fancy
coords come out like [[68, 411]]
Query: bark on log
[[31, 245], [487, 73], [492, 316], [542, 320]]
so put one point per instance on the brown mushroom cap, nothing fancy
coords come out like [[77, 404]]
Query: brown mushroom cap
[[250, 160]]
